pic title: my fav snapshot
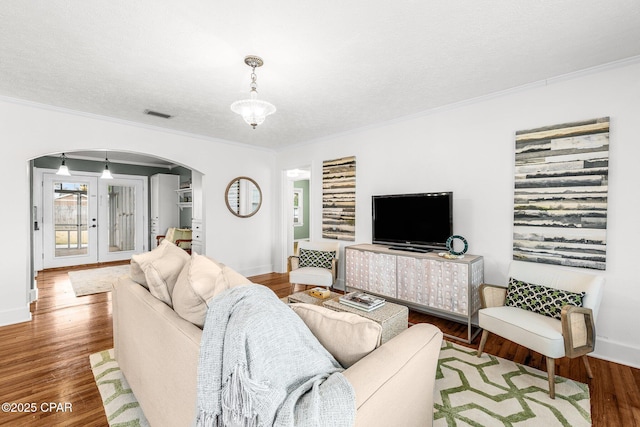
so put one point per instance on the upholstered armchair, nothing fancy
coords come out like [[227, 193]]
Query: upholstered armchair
[[181, 237], [315, 264], [548, 321]]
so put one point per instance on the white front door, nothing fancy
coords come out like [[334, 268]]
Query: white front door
[[87, 220]]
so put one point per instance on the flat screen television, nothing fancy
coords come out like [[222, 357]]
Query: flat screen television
[[419, 222]]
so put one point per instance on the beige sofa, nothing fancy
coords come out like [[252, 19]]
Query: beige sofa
[[157, 351]]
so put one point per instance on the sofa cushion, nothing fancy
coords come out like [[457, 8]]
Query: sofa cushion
[[347, 336], [201, 279], [313, 258], [540, 299], [165, 252]]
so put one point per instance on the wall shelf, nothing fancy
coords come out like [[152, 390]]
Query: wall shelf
[[185, 197]]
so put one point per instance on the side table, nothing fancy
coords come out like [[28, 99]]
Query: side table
[[394, 318]]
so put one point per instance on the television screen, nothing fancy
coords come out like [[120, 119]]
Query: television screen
[[421, 221]]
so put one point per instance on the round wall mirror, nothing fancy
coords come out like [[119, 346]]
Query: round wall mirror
[[243, 197]]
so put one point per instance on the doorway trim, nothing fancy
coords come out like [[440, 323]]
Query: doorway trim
[[286, 217]]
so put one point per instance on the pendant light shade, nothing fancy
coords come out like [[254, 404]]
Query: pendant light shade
[[63, 169], [253, 110], [106, 174]]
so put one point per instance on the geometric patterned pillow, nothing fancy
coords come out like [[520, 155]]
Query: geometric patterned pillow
[[311, 258], [541, 299]]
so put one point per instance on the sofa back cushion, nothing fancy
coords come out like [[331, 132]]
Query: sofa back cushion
[[201, 279], [347, 336]]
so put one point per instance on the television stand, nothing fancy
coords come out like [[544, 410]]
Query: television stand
[[411, 249], [425, 282]]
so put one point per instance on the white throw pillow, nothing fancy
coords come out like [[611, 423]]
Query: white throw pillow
[[157, 285], [163, 251], [201, 279], [160, 269], [347, 336]]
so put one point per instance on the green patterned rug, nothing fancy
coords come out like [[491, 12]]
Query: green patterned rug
[[490, 391], [120, 404], [470, 391]]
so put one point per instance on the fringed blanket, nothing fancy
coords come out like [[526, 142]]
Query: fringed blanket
[[261, 366]]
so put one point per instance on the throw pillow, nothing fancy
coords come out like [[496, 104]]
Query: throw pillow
[[157, 285], [200, 280], [347, 336], [140, 261], [541, 299], [313, 258], [160, 268]]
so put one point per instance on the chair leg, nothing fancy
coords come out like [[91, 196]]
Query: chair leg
[[483, 341], [586, 365], [551, 372]]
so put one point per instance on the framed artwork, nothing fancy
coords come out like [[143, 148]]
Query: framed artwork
[[560, 196], [339, 199]]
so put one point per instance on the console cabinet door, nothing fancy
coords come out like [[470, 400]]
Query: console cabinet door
[[413, 280], [371, 272], [382, 274], [357, 269]]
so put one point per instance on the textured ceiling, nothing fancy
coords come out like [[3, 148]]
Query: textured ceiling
[[330, 66]]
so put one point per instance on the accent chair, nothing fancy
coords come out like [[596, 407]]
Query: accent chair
[[314, 264], [541, 310], [181, 237]]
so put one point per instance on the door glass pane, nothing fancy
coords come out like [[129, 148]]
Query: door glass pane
[[122, 218], [70, 218]]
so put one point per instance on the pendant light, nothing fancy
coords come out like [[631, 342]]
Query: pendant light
[[63, 169], [253, 110], [106, 174]]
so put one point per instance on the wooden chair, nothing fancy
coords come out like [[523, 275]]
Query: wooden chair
[[304, 268], [572, 336], [181, 237]]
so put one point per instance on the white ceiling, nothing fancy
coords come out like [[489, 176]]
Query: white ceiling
[[330, 66]]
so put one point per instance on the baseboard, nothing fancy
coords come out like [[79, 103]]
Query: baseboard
[[256, 271], [33, 295], [16, 315], [617, 352]]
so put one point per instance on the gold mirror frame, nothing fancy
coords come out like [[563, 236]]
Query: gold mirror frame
[[236, 210]]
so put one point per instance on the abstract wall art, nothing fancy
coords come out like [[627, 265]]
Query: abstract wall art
[[560, 201], [339, 199]]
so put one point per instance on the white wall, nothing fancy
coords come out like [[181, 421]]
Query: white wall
[[469, 149], [29, 131]]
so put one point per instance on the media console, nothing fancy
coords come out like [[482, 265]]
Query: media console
[[425, 282]]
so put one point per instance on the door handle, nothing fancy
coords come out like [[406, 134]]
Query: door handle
[[93, 226]]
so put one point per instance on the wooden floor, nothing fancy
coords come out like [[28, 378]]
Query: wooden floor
[[47, 360]]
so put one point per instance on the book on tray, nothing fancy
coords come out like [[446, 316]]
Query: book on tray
[[362, 301]]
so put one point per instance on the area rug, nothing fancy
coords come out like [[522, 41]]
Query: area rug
[[490, 391], [96, 280], [119, 403], [470, 391]]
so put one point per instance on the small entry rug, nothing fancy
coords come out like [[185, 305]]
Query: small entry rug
[[120, 404], [490, 391], [96, 280]]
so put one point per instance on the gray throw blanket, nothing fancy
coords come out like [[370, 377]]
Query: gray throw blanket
[[261, 366]]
